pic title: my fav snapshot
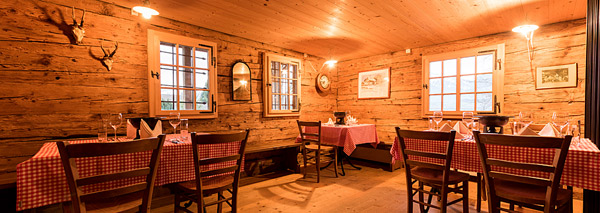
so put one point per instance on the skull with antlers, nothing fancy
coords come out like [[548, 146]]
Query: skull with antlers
[[77, 29], [107, 60]]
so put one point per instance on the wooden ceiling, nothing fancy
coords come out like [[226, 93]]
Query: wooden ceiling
[[347, 29]]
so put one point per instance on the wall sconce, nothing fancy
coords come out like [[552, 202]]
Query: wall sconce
[[527, 31], [145, 10]]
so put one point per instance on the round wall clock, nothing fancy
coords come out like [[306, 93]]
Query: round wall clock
[[323, 82]]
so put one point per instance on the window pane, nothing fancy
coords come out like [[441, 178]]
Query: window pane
[[435, 69], [284, 102], [485, 63], [167, 99], [449, 102], [467, 102], [284, 70], [167, 76], [284, 86], [202, 100], [435, 103], [167, 53], [202, 79], [450, 67], [294, 102], [186, 78], [275, 86], [275, 69], [293, 89], [467, 83], [275, 102], [185, 55], [450, 85], [202, 58], [484, 83], [293, 71], [186, 100], [484, 102], [435, 86], [467, 65]]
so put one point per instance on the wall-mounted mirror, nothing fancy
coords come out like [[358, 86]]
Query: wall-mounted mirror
[[242, 87]]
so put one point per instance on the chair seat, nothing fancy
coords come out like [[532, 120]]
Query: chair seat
[[527, 193], [116, 204], [435, 176], [316, 147], [208, 184]]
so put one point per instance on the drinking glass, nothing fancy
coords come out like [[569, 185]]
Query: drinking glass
[[525, 118], [102, 131], [174, 120], [183, 129], [430, 120], [468, 119], [115, 121], [437, 117], [560, 120]]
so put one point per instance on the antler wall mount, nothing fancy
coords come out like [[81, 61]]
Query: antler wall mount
[[107, 60], [77, 30]]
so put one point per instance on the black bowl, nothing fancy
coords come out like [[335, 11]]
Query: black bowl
[[493, 120], [339, 114]]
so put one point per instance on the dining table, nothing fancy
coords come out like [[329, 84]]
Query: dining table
[[346, 137], [41, 179]]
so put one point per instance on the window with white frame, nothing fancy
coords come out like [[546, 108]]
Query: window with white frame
[[182, 75], [464, 81], [281, 85]]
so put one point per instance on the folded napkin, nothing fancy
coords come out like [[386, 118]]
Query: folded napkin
[[330, 122], [351, 120], [462, 131], [131, 130], [549, 130], [445, 128], [147, 132]]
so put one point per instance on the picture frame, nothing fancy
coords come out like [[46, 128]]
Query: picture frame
[[241, 77], [560, 76], [374, 84]]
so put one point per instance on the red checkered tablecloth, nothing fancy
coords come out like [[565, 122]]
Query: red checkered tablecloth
[[346, 136], [41, 180], [582, 167]]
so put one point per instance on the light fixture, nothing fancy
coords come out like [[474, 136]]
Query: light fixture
[[145, 10], [330, 63], [527, 31]]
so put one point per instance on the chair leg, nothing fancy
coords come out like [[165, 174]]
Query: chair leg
[[444, 201], [220, 205], [176, 203], [512, 207], [335, 165], [409, 190], [478, 192], [318, 156], [465, 196], [305, 159], [421, 197]]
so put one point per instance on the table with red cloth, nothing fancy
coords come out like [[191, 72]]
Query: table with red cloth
[[41, 180], [582, 167], [346, 136]]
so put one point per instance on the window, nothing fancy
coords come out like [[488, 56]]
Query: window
[[464, 81], [182, 76], [281, 86]]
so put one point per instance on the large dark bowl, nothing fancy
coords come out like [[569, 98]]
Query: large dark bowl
[[493, 120], [339, 114]]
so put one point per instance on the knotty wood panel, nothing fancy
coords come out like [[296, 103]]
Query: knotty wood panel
[[52, 88], [555, 44]]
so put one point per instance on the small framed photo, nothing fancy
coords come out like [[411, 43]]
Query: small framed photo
[[374, 84], [560, 76]]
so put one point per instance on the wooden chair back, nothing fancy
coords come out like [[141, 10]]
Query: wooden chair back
[[423, 136], [560, 146], [70, 152], [309, 138], [229, 161]]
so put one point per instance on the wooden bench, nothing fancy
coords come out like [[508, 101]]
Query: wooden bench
[[380, 154], [270, 157]]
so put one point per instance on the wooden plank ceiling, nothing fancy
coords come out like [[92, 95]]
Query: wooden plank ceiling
[[347, 29]]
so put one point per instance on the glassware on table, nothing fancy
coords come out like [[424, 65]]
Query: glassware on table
[[431, 126], [560, 120], [115, 121], [103, 130], [525, 119], [437, 117], [468, 119], [475, 124], [174, 120], [183, 129]]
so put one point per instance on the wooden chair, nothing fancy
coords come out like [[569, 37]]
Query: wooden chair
[[542, 194], [215, 174], [435, 175], [311, 142], [137, 196]]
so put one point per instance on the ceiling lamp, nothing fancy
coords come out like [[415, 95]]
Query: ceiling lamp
[[145, 10], [330, 63], [527, 31]]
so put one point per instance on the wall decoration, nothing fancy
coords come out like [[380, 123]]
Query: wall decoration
[[107, 60], [242, 82], [323, 82], [560, 76], [77, 30], [374, 84]]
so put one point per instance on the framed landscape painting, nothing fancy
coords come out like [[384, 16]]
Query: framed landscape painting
[[560, 76], [374, 84]]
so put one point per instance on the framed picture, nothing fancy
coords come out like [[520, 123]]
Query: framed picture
[[374, 84], [560, 76]]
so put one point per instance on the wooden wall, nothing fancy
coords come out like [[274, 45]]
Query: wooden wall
[[555, 44], [51, 88]]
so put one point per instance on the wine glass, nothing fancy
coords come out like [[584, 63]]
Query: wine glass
[[174, 120], [115, 121], [437, 117], [468, 119], [560, 120], [525, 118]]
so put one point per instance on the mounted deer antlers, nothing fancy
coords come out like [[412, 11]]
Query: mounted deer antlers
[[77, 29], [107, 60]]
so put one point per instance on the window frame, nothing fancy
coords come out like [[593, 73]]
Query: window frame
[[267, 81], [154, 84], [497, 79]]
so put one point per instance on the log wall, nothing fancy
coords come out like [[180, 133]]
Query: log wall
[[52, 88], [555, 44]]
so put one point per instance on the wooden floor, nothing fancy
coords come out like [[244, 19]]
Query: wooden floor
[[367, 190]]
